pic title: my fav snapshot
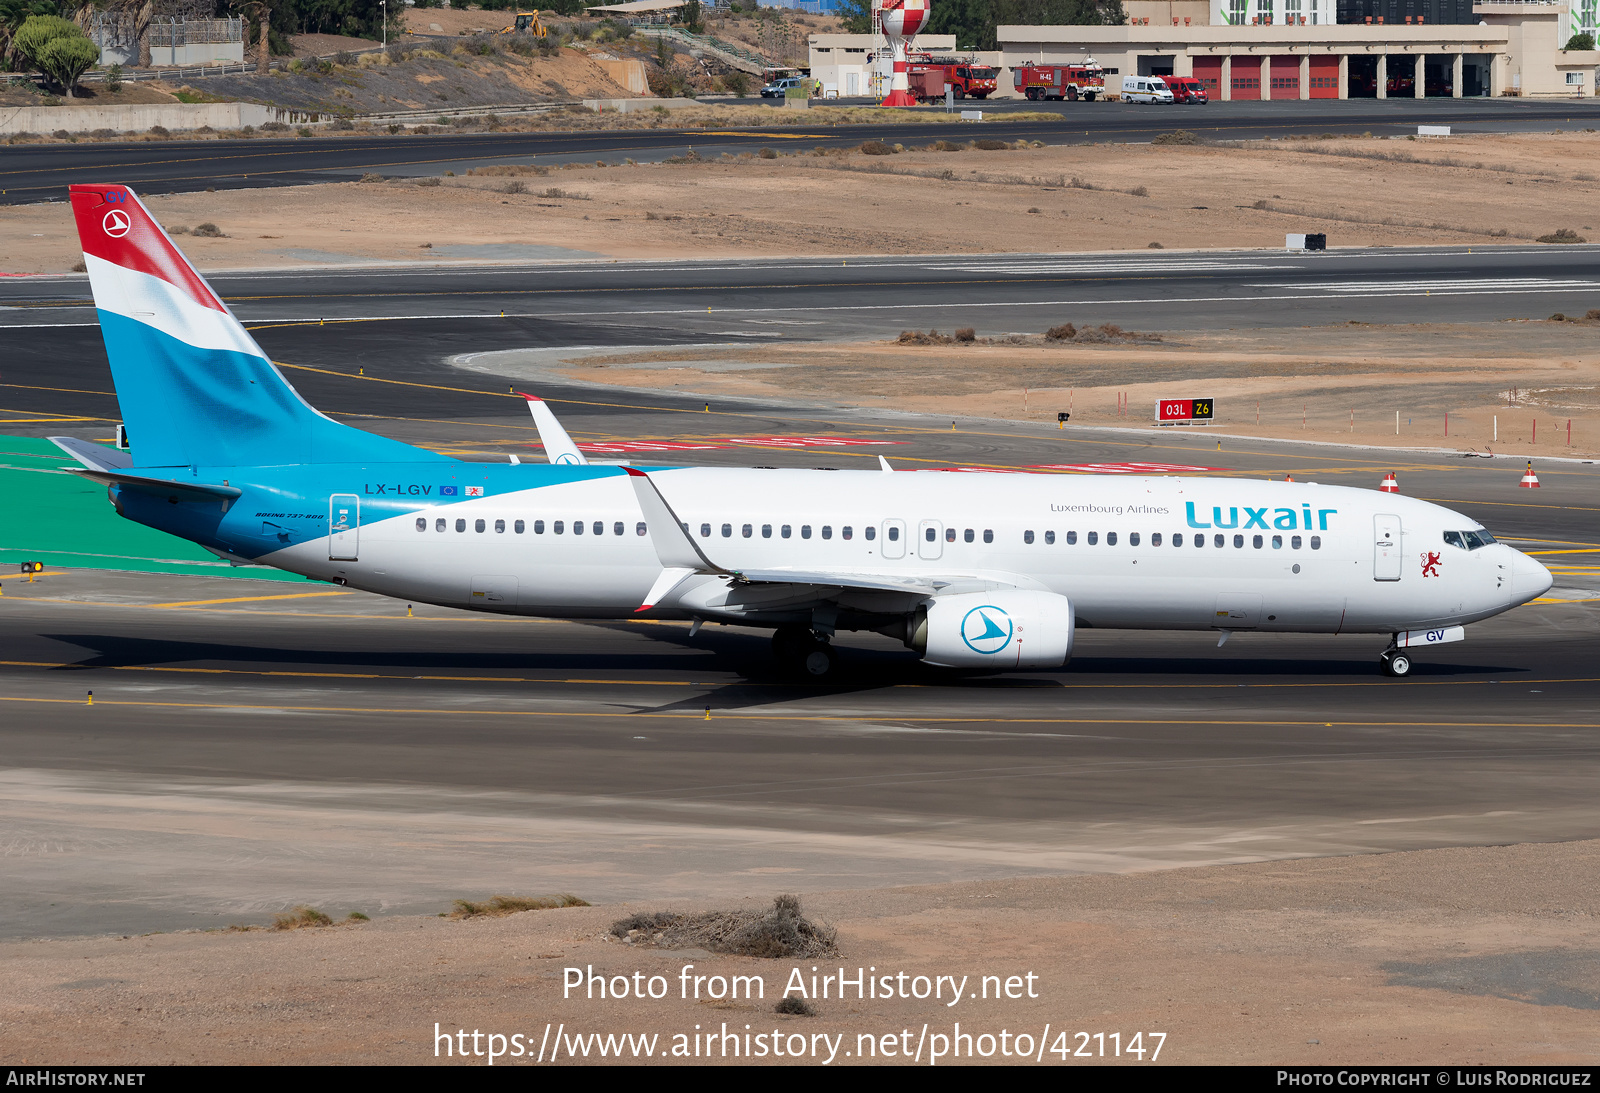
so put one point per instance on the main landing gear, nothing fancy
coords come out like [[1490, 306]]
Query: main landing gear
[[804, 653], [1395, 663]]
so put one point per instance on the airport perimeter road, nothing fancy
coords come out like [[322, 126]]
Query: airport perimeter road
[[456, 308], [30, 173]]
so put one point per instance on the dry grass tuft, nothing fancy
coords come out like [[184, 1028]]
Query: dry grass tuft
[[1562, 235], [300, 918], [797, 1007], [783, 931], [1177, 136], [511, 905]]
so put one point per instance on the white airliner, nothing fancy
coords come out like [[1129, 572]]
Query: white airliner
[[988, 571]]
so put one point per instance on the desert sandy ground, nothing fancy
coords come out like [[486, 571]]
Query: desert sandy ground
[[1508, 388], [1463, 956], [1359, 192]]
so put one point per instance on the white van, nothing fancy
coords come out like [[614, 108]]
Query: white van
[[1145, 89]]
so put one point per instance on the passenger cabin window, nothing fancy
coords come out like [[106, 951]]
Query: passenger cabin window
[[499, 527], [988, 535], [1072, 538], [1027, 537], [966, 536], [519, 527], [461, 525], [827, 531], [1238, 542], [766, 531], [805, 531], [727, 531], [1049, 538], [1256, 542], [1092, 538], [577, 527], [422, 523], [1155, 539], [438, 525], [870, 532], [641, 528], [1219, 540], [1111, 538], [1295, 542], [1316, 542], [1200, 540], [931, 535], [558, 527], [894, 534], [1133, 538], [538, 527], [950, 535], [747, 530], [786, 531], [619, 528], [705, 531], [479, 526]]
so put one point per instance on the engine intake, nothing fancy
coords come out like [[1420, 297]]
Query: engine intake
[[1003, 629]]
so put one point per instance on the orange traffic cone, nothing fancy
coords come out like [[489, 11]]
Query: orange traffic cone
[[1390, 484], [1288, 478], [1529, 480]]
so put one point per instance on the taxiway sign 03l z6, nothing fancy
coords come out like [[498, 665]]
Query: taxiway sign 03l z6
[[970, 570]]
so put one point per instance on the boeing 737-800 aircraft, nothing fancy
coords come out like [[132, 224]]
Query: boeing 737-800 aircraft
[[970, 570]]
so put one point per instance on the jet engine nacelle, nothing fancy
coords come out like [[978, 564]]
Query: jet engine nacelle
[[1002, 629]]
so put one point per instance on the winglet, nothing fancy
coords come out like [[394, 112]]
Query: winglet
[[671, 577], [668, 534], [558, 446], [884, 463]]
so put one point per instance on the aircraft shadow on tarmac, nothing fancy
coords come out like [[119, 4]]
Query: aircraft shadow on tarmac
[[743, 654]]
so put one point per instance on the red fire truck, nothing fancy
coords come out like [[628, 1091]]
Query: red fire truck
[[1085, 81], [969, 80]]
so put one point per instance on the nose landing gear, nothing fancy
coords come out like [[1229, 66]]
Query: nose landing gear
[[1395, 663], [803, 653]]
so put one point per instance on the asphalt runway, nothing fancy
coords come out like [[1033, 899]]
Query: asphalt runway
[[31, 173], [250, 747]]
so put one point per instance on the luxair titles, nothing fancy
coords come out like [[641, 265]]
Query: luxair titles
[[1265, 518]]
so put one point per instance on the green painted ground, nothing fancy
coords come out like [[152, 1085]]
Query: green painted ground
[[66, 521]]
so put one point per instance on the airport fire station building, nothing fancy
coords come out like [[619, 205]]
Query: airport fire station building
[[1510, 49], [1307, 49]]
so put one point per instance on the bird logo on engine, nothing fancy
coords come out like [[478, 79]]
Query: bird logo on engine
[[987, 629]]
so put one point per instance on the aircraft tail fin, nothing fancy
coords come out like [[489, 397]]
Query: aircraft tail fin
[[194, 387]]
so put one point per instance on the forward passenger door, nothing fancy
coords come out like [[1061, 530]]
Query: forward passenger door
[[1386, 548], [894, 539]]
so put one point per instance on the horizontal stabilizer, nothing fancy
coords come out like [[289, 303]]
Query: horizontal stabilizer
[[97, 457], [558, 446], [164, 487]]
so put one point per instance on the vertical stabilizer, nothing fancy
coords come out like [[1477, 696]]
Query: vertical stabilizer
[[193, 385]]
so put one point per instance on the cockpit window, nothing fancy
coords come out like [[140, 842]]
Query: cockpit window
[[1469, 540]]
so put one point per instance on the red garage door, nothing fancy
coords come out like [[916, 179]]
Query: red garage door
[[1286, 77], [1208, 70], [1246, 83], [1325, 77]]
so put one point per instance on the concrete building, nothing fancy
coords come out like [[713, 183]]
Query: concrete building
[[1294, 49], [1512, 47]]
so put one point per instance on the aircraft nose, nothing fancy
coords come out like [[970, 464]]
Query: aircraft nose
[[1529, 577]]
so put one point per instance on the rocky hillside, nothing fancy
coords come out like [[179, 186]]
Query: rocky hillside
[[481, 71]]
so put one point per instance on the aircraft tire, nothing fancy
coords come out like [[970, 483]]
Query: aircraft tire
[[802, 654], [819, 663], [1396, 665]]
